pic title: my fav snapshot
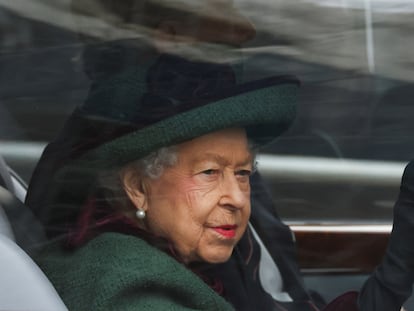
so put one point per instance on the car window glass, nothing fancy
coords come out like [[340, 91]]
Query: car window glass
[[342, 158]]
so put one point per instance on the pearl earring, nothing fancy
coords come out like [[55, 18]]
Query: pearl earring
[[140, 214]]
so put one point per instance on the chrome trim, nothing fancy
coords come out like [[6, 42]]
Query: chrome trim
[[374, 228], [316, 169]]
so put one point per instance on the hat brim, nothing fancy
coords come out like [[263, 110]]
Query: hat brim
[[265, 112]]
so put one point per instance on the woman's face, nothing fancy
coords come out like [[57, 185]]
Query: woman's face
[[202, 204]]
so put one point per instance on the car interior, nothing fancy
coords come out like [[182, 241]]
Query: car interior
[[333, 176], [23, 286]]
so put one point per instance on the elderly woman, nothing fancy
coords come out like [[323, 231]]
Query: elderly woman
[[149, 182], [146, 190], [147, 187]]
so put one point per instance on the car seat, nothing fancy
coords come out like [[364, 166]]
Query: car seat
[[23, 286]]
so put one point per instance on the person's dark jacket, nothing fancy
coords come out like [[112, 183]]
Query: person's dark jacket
[[385, 290]]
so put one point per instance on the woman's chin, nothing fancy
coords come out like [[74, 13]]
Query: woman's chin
[[217, 256]]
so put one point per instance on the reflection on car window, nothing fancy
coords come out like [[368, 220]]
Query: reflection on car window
[[353, 59]]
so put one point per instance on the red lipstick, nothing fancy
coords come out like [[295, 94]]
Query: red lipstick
[[227, 231]]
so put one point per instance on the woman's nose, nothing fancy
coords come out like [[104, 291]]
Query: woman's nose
[[233, 193]]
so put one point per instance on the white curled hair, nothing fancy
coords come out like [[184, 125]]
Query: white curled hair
[[151, 166]]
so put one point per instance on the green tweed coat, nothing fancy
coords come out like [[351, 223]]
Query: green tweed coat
[[121, 272]]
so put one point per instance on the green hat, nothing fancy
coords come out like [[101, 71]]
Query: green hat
[[140, 110]]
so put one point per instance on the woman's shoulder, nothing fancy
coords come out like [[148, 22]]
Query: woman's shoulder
[[125, 272], [108, 254], [119, 247], [128, 250]]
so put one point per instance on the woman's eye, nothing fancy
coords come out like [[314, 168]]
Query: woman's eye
[[209, 172], [244, 173]]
